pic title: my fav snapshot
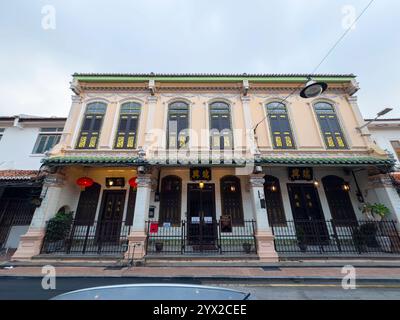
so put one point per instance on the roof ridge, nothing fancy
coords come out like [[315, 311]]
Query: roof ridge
[[152, 74]]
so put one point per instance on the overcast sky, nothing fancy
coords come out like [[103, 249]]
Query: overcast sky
[[253, 36]]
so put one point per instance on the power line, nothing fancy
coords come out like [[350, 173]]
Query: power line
[[323, 59]]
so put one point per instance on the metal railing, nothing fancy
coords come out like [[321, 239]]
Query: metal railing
[[336, 237], [200, 238], [88, 237]]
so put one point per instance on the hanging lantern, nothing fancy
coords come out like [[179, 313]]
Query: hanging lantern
[[84, 182], [132, 182]]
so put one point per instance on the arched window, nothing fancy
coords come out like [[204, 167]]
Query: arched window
[[274, 203], [280, 127], [92, 124], [329, 126], [338, 199], [170, 200], [220, 126], [231, 199], [127, 126], [178, 123]]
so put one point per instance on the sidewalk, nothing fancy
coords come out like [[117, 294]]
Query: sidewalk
[[387, 273]]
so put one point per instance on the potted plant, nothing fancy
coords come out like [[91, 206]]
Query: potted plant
[[159, 246], [246, 247], [301, 239], [376, 211], [58, 229]]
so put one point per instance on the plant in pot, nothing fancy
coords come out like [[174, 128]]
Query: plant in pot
[[376, 211], [246, 247], [159, 246], [58, 228], [301, 239]]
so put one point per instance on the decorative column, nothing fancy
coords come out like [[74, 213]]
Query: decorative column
[[249, 134], [31, 243], [264, 237], [137, 237], [151, 109], [71, 124]]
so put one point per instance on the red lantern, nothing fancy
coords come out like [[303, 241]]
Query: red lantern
[[132, 182], [84, 182]]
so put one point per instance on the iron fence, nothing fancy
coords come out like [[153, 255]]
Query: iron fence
[[200, 238], [337, 237], [87, 237]]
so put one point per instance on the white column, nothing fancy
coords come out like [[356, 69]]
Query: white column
[[265, 239], [71, 126], [248, 122], [151, 109], [137, 237], [31, 243]]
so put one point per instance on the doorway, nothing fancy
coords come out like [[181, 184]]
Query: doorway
[[307, 213], [201, 221], [112, 210]]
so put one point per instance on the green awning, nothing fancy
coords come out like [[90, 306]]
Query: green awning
[[282, 161], [92, 160], [327, 161]]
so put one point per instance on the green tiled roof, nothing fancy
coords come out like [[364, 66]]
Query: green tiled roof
[[125, 161], [70, 160], [327, 161]]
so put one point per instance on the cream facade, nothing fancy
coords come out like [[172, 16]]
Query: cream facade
[[272, 164]]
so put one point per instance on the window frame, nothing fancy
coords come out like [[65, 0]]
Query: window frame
[[213, 131], [47, 136], [239, 220], [281, 133], [183, 132], [281, 221], [90, 131], [332, 133], [174, 220], [128, 133]]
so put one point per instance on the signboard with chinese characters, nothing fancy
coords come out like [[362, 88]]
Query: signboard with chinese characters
[[200, 173], [301, 173]]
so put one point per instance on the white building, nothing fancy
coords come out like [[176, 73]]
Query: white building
[[23, 142], [386, 134]]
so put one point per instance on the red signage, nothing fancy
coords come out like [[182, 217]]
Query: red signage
[[153, 227]]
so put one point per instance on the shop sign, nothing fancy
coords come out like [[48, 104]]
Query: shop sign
[[301, 173], [200, 173]]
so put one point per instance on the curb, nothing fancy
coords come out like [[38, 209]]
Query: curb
[[246, 279]]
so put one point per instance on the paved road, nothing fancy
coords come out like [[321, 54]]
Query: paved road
[[30, 288]]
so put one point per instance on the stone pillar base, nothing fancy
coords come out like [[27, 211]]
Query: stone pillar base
[[136, 246], [29, 244], [265, 247]]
